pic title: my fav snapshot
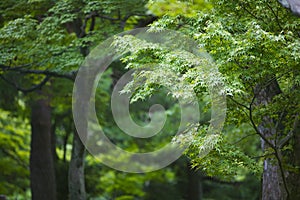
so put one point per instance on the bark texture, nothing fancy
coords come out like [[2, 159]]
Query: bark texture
[[294, 5], [76, 170], [272, 183], [279, 182], [42, 171], [294, 177]]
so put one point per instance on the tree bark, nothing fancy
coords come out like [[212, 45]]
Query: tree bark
[[194, 189], [272, 183], [294, 5], [281, 174], [294, 177], [42, 171], [76, 170]]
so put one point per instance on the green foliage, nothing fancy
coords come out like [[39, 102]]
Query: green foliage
[[111, 184], [188, 8], [164, 63], [247, 45], [14, 153], [40, 37]]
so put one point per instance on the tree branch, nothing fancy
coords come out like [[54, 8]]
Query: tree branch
[[255, 127], [243, 138], [33, 88], [238, 103], [71, 75], [15, 158], [278, 157], [250, 13], [290, 134], [276, 16], [106, 17], [216, 180]]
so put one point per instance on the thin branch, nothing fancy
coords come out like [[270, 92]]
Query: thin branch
[[31, 89], [216, 180], [280, 118], [238, 103], [263, 156], [106, 17], [250, 13], [16, 158], [255, 127], [243, 138], [278, 156], [276, 16], [278, 123], [270, 81], [290, 134]]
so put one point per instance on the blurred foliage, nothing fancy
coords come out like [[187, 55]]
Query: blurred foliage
[[14, 154], [187, 8]]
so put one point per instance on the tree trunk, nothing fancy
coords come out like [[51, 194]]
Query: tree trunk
[[294, 5], [272, 183], [76, 170], [278, 181], [294, 177], [194, 189], [42, 171]]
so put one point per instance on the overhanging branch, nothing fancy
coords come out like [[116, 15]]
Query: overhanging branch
[[31, 89], [71, 75]]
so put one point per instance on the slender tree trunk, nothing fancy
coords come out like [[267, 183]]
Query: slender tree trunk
[[42, 171], [76, 167], [76, 170]]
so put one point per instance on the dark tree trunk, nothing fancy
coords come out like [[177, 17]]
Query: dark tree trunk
[[294, 177], [194, 188], [42, 171], [76, 170]]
